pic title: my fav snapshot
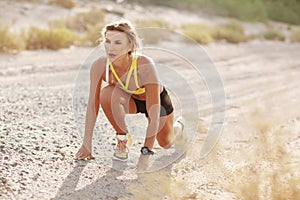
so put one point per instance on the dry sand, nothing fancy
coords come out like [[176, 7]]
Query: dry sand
[[40, 128]]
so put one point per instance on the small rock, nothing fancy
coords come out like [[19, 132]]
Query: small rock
[[14, 164], [4, 180], [24, 171], [22, 183]]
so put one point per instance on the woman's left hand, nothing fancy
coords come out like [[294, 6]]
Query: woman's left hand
[[83, 154], [143, 163]]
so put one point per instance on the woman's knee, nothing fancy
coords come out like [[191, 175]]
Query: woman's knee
[[165, 137], [105, 95], [114, 99], [166, 144]]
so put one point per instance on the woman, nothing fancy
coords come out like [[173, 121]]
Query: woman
[[132, 87]]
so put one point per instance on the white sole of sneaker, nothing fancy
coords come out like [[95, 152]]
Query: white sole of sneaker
[[119, 159]]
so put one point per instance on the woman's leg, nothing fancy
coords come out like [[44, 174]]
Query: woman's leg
[[115, 104], [165, 135]]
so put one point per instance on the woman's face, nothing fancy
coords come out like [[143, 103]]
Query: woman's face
[[116, 45]]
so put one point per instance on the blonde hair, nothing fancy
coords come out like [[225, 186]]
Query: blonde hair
[[125, 27]]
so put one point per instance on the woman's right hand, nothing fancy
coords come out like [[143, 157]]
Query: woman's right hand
[[83, 154]]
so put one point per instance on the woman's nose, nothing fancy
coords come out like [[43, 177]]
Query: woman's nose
[[110, 47]]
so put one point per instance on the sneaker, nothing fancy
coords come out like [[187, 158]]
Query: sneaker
[[121, 151], [180, 132]]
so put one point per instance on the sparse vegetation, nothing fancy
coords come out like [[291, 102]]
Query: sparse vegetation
[[153, 30], [63, 3], [295, 35], [232, 32], [31, 1], [273, 34], [55, 38], [89, 24], [198, 32], [10, 42], [81, 20], [84, 28], [240, 9], [92, 34], [256, 10], [152, 23], [283, 11]]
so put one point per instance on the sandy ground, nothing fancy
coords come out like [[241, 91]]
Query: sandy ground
[[43, 98]]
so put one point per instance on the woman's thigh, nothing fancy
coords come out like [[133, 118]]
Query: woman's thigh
[[112, 98]]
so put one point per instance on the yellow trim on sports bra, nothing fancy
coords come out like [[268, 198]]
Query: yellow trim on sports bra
[[133, 68]]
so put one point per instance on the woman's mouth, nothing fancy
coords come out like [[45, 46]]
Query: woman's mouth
[[112, 55]]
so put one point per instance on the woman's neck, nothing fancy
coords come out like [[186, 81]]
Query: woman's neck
[[123, 62]]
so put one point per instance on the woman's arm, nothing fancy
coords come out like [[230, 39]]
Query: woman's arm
[[149, 79], [93, 106], [153, 109]]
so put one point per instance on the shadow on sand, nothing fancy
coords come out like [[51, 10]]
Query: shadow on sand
[[108, 186]]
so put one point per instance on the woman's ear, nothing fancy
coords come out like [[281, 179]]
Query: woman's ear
[[131, 48]]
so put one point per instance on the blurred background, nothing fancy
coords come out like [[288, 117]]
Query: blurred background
[[55, 24]]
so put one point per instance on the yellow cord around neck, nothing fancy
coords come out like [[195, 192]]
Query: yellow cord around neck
[[133, 67]]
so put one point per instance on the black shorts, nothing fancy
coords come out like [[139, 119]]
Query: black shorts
[[166, 106]]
